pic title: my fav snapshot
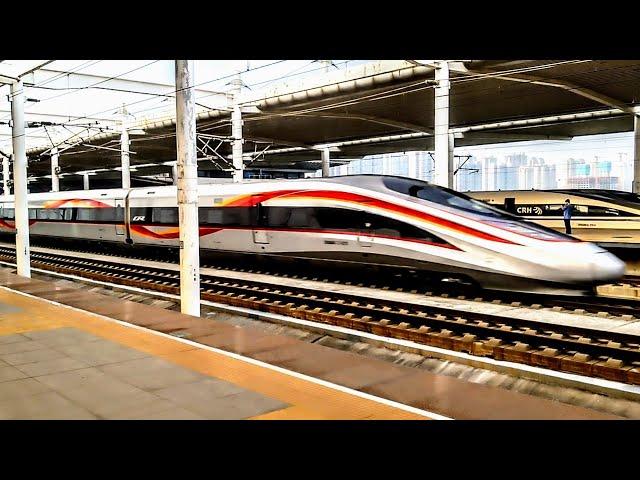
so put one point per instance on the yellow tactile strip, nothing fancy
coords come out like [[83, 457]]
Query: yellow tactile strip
[[309, 400]]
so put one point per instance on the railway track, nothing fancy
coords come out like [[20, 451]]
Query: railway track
[[603, 306], [591, 352]]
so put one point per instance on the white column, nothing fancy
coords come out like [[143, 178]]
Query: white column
[[236, 132], [636, 154], [5, 176], [443, 141], [124, 157], [20, 180], [55, 179], [326, 162], [187, 190], [85, 181]]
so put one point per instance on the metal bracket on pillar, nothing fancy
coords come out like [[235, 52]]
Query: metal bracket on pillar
[[55, 170], [209, 152]]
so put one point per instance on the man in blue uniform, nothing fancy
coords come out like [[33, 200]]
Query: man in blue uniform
[[567, 210]]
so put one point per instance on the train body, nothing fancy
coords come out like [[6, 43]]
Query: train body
[[357, 221], [608, 217]]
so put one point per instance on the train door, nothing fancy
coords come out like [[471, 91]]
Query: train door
[[120, 211], [260, 234], [510, 205], [365, 236]]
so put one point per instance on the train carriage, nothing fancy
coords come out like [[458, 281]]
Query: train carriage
[[356, 221], [610, 218]]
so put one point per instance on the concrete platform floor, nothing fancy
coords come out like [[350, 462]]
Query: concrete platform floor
[[60, 363]]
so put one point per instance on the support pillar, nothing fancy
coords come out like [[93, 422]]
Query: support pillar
[[236, 132], [85, 181], [20, 180], [443, 141], [326, 162], [5, 177], [124, 157], [187, 189], [636, 154], [174, 173], [55, 179]]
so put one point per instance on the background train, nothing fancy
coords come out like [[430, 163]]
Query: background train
[[358, 221], [608, 217]]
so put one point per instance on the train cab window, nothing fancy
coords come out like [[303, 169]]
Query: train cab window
[[165, 215], [440, 195], [598, 211]]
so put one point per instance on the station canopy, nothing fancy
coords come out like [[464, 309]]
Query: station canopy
[[378, 107]]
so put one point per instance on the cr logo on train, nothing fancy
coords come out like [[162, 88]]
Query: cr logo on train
[[529, 210]]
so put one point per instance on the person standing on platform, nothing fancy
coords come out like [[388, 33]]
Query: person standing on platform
[[567, 210]]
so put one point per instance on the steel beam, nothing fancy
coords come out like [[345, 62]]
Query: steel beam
[[5, 176], [326, 162], [636, 154], [187, 166], [20, 180], [124, 157], [443, 140], [55, 170]]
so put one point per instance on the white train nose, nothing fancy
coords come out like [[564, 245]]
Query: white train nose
[[606, 266]]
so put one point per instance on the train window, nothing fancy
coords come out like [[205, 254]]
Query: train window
[[276, 216], [8, 214], [211, 216], [165, 215], [227, 216], [343, 219], [68, 213], [556, 210], [50, 214], [99, 215], [140, 214], [395, 228], [32, 214]]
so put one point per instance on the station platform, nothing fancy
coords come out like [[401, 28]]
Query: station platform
[[67, 353]]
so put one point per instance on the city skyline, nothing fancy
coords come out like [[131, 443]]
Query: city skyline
[[595, 161]]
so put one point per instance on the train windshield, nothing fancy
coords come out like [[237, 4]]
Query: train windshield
[[443, 196], [457, 201]]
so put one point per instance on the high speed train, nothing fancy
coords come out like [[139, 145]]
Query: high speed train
[[608, 217], [357, 220]]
